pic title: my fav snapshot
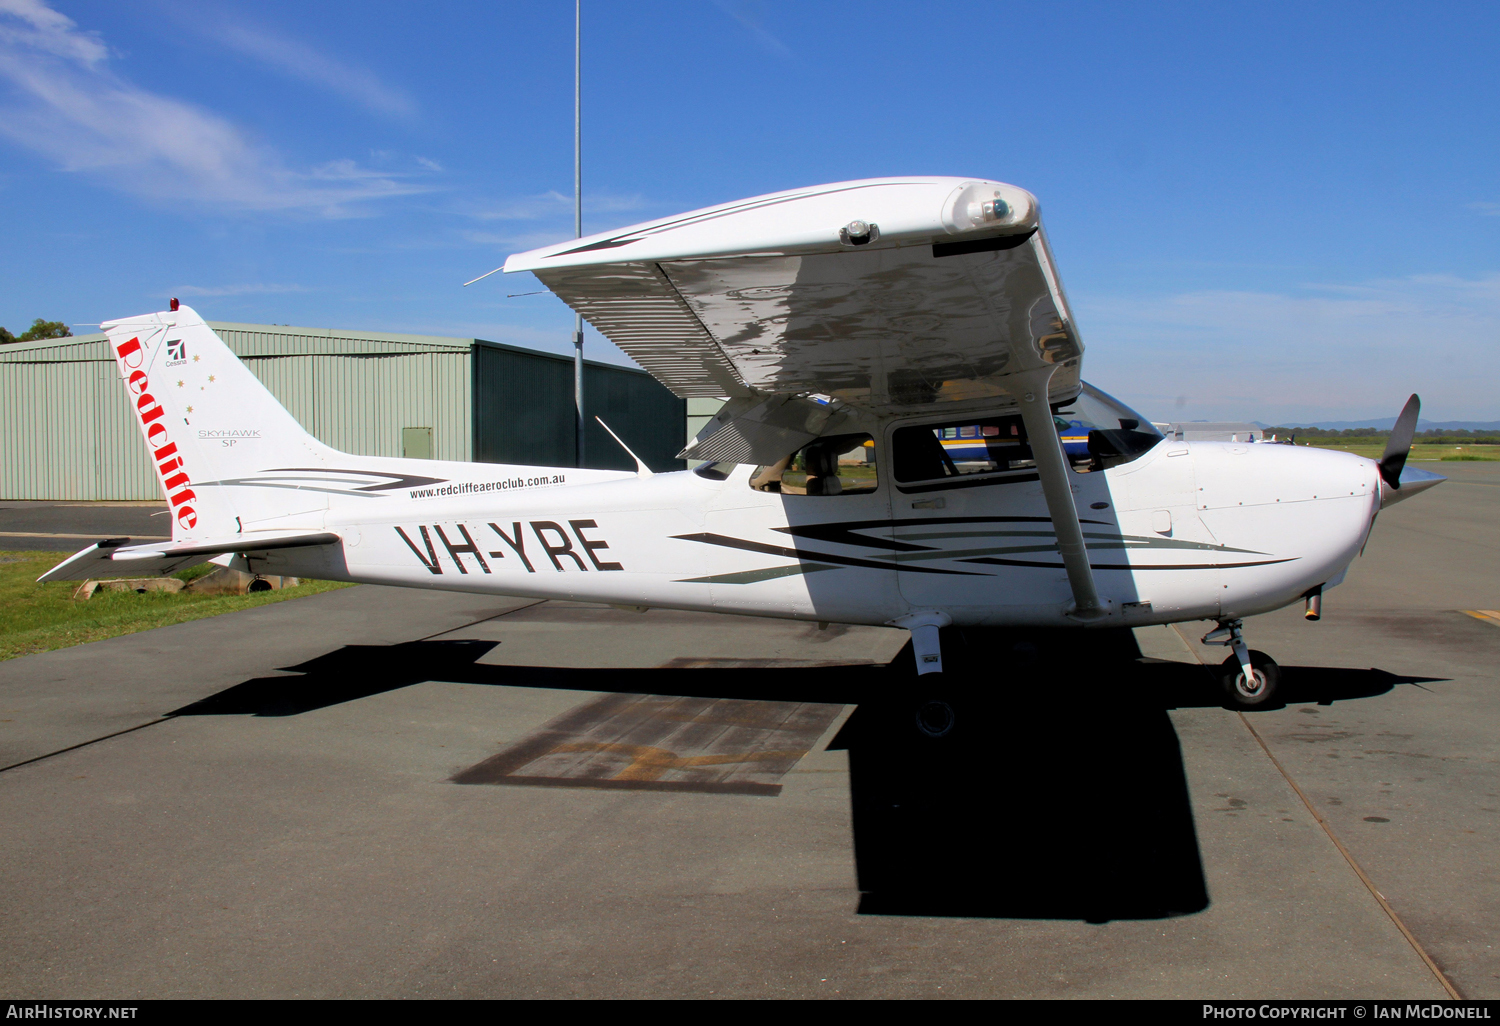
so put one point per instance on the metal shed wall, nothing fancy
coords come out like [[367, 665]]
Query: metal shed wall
[[355, 391], [511, 425], [523, 412], [640, 409], [66, 430]]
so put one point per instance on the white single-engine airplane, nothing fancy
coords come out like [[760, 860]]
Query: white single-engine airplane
[[907, 441]]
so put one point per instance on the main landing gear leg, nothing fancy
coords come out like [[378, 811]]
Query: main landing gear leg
[[934, 713], [1250, 678]]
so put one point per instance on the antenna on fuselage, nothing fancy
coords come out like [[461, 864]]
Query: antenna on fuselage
[[641, 470]]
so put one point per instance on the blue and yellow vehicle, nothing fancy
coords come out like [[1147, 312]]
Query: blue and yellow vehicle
[[973, 442]]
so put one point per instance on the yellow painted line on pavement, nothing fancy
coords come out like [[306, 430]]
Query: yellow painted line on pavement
[[1487, 615]]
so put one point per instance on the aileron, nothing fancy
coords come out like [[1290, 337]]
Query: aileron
[[636, 307]]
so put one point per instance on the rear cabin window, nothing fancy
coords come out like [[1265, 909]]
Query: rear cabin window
[[836, 465]]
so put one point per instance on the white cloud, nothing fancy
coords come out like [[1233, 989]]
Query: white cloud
[[297, 59], [547, 218], [529, 208], [41, 28], [553, 204], [1327, 352], [236, 290], [519, 242], [747, 15], [69, 106]]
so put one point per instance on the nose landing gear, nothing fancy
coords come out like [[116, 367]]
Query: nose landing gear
[[1250, 678]]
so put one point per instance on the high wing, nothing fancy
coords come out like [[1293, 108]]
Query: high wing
[[113, 557], [889, 294]]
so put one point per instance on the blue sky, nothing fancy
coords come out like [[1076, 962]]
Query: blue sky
[[1280, 212]]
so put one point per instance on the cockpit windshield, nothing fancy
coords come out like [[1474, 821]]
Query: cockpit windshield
[[1109, 432]]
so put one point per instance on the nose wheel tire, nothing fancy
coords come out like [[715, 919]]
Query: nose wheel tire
[[1258, 693]]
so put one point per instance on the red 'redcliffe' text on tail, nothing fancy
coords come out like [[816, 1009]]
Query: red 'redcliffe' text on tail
[[170, 468]]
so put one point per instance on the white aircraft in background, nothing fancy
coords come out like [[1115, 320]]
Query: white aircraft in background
[[907, 441]]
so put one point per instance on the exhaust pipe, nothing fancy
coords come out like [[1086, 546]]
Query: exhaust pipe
[[1314, 610]]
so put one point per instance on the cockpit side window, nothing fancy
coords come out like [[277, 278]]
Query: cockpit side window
[[1096, 432], [834, 465], [933, 452]]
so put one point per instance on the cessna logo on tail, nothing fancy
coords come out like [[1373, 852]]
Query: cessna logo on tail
[[552, 543], [176, 351], [169, 465]]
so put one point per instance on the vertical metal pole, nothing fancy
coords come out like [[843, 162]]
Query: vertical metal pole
[[578, 213]]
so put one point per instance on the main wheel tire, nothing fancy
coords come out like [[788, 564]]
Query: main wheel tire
[[935, 717], [1257, 694]]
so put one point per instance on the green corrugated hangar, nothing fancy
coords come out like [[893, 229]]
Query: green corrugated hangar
[[66, 431]]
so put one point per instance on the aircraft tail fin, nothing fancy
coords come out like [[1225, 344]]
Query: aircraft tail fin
[[206, 419]]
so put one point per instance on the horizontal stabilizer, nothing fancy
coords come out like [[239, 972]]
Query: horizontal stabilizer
[[115, 557]]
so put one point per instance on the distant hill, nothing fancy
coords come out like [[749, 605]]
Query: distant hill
[[1386, 423]]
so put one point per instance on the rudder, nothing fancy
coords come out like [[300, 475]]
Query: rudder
[[205, 417]]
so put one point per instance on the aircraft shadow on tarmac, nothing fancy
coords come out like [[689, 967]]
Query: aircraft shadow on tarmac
[[1061, 797]]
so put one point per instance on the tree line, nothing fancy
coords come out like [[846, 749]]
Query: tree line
[[39, 329], [1370, 435]]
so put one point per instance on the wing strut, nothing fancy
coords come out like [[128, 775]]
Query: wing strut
[[1057, 487]]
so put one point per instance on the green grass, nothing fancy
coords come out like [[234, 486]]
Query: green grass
[[1374, 450], [40, 617]]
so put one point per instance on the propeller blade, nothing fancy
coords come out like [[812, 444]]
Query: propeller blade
[[1399, 445]]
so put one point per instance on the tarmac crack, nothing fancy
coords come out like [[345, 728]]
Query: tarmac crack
[[85, 744], [164, 719], [487, 619], [1364, 878]]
